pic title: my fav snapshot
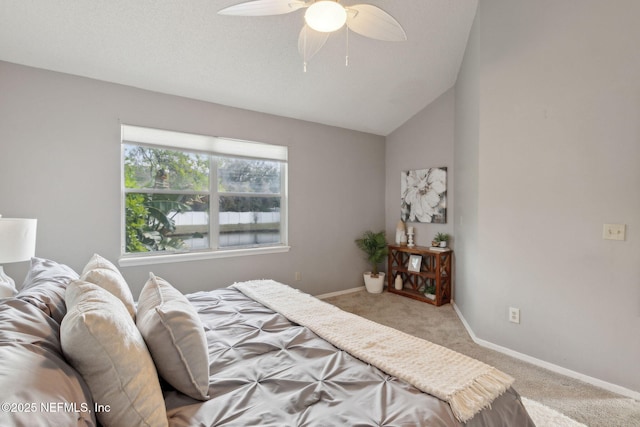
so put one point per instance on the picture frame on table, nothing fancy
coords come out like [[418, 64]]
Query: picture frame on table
[[415, 261]]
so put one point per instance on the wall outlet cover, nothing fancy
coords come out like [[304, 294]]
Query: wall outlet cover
[[514, 315], [613, 231]]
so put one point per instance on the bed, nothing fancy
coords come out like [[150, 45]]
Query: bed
[[260, 367]]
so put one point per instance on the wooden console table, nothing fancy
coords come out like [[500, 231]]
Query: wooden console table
[[434, 273]]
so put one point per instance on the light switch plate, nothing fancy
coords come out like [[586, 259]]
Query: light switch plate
[[613, 231]]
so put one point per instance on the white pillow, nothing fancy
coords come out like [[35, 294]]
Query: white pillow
[[175, 336], [103, 273], [101, 341], [97, 261]]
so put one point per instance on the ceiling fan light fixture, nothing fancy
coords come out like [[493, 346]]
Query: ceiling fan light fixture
[[325, 16]]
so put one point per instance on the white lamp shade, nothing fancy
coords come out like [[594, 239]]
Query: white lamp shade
[[325, 16], [17, 239]]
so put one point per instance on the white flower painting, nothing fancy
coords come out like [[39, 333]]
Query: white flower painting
[[424, 195]]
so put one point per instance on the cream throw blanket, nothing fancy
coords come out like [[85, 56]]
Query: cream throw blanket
[[466, 384]]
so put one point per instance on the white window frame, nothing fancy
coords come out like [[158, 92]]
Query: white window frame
[[213, 146]]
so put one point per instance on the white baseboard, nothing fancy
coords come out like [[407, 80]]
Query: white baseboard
[[543, 364], [338, 293]]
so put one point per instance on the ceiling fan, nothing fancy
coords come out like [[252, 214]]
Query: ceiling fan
[[323, 17]]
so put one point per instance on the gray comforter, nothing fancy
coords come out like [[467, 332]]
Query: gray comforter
[[267, 371], [264, 371]]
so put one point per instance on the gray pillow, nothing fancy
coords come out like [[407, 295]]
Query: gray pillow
[[45, 286], [175, 336], [37, 382]]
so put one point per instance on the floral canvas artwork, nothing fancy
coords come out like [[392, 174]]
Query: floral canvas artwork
[[424, 195]]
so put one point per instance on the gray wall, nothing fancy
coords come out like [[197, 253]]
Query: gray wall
[[466, 158], [60, 163], [424, 141], [547, 151]]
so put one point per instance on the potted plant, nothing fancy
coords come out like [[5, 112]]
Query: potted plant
[[375, 247], [441, 240]]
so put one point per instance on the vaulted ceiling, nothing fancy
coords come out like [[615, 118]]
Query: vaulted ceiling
[[183, 47]]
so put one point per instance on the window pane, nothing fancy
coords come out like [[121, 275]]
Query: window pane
[[166, 222], [248, 176], [249, 221], [146, 167], [169, 178]]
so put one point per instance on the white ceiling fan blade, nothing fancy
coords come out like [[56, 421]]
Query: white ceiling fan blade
[[310, 42], [373, 22], [263, 7]]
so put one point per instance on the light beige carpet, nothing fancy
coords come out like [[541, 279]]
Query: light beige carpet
[[543, 416], [580, 401]]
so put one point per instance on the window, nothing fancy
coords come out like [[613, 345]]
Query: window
[[194, 194]]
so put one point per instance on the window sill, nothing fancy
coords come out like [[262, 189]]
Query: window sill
[[135, 260]]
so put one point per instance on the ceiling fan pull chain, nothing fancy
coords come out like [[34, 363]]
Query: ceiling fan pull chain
[[304, 54], [346, 59]]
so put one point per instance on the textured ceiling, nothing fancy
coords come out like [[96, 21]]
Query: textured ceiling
[[182, 47]]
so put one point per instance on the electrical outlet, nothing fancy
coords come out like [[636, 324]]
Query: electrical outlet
[[514, 315], [613, 231], [298, 276]]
